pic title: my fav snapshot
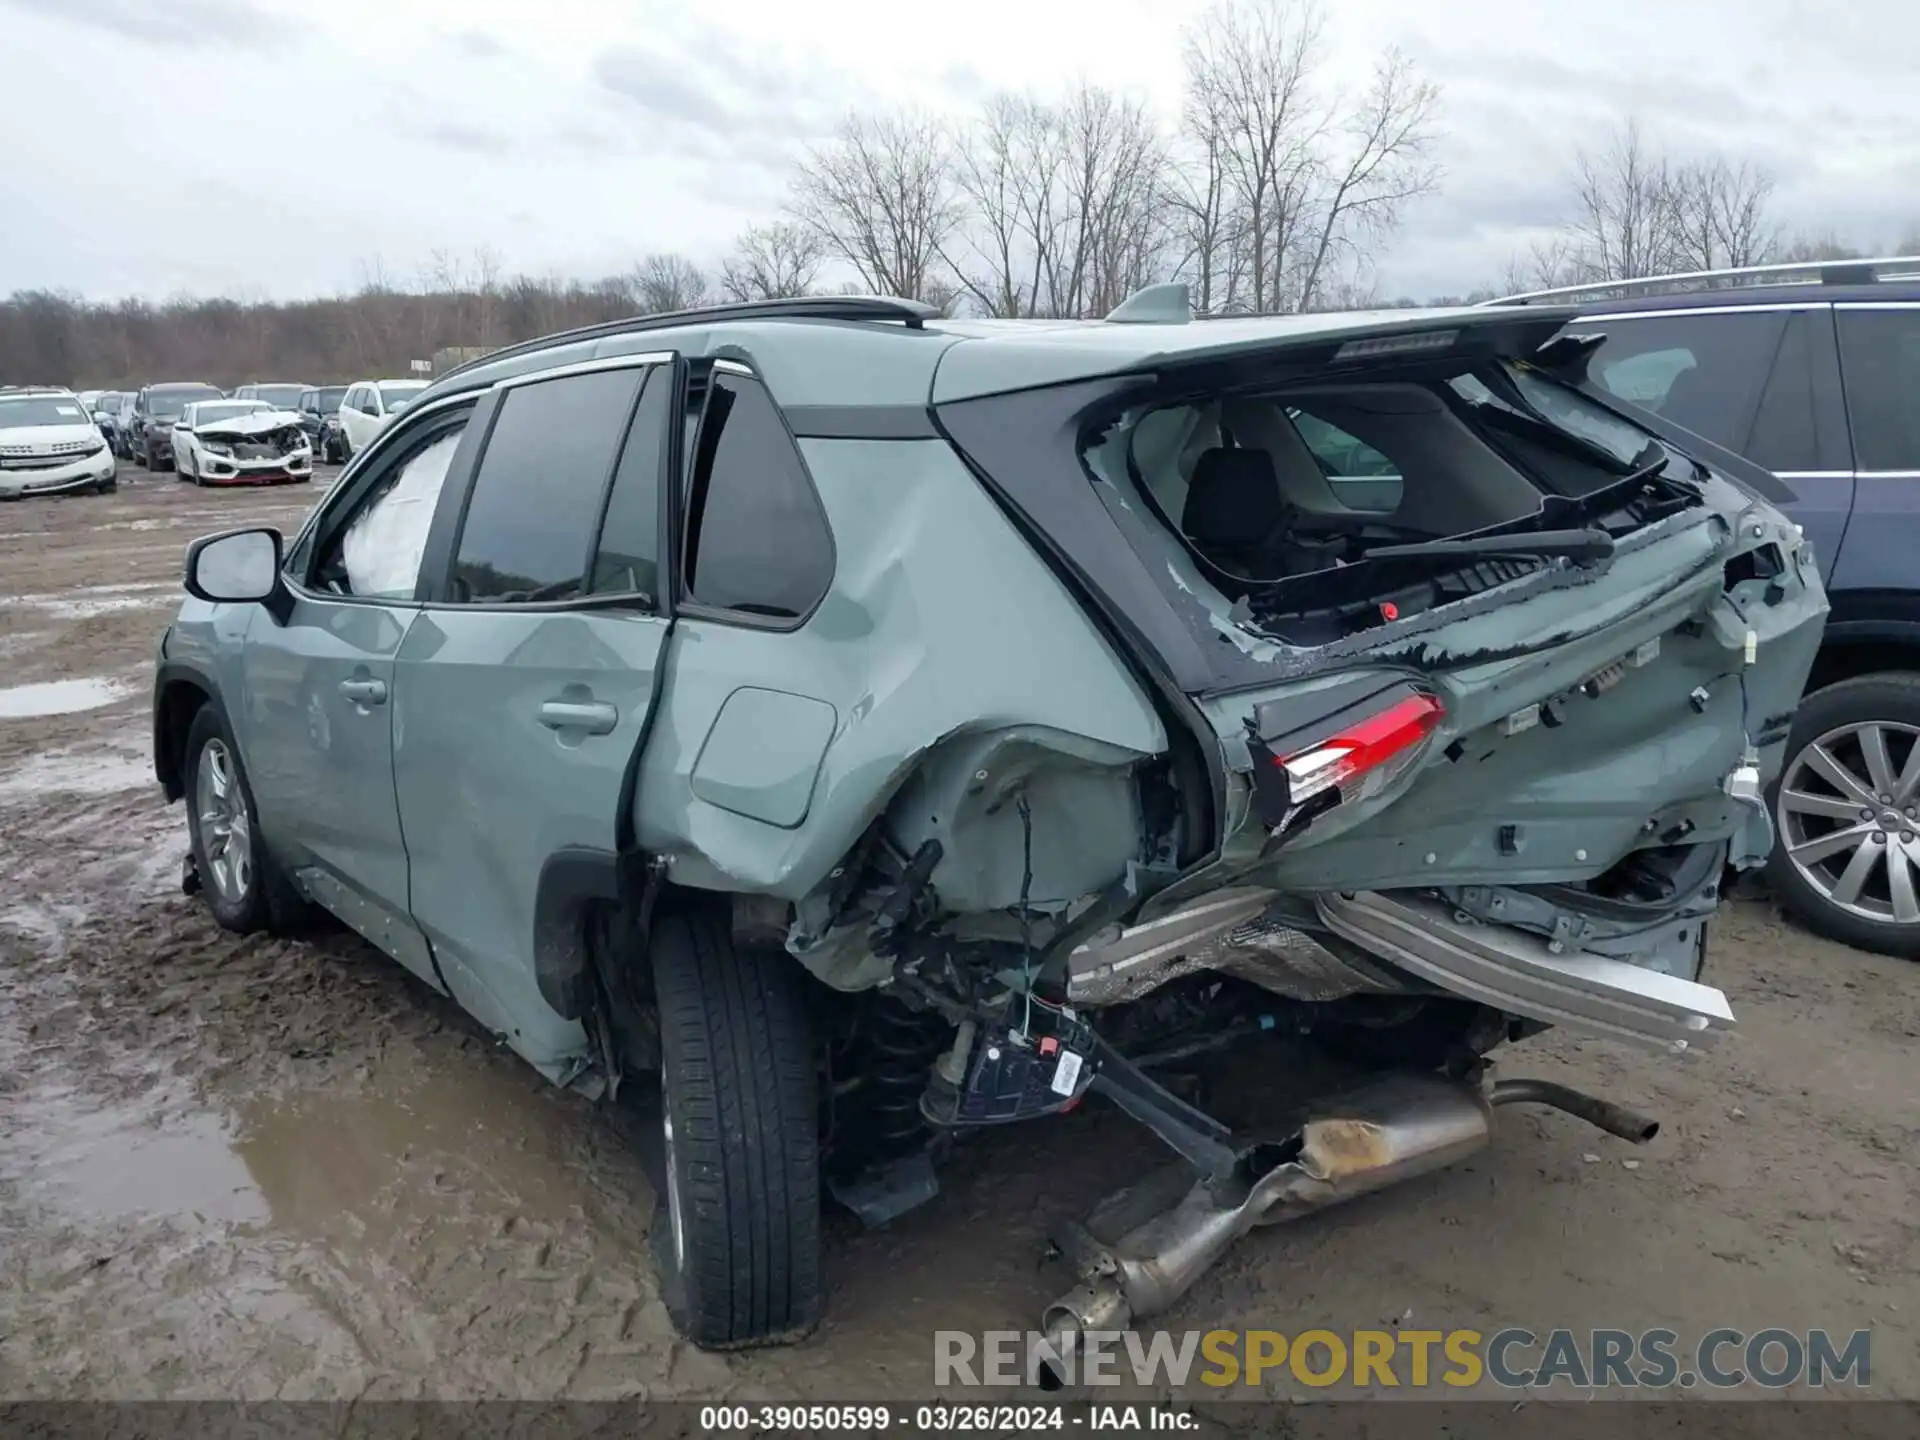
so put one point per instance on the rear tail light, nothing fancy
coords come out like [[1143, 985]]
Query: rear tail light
[[1364, 756]]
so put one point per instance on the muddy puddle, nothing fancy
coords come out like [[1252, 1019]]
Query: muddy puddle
[[60, 697]]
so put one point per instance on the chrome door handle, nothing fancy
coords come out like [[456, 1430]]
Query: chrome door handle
[[596, 717], [365, 692]]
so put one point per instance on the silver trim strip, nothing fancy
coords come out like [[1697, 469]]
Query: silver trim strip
[[1599, 317], [1814, 474], [584, 367], [1877, 304], [1514, 971], [1887, 474], [1815, 270]]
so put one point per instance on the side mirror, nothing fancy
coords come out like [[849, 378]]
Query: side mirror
[[239, 567]]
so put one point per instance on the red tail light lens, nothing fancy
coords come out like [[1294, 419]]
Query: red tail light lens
[[1362, 758]]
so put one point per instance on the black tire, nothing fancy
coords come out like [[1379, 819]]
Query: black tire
[[737, 1230], [1892, 699], [266, 901]]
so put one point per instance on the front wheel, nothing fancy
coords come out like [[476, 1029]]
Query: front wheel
[[737, 1228], [243, 887], [1846, 859]]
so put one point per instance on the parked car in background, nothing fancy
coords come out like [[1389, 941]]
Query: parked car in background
[[319, 409], [281, 394], [50, 445], [120, 435], [368, 406], [240, 442], [871, 726], [1812, 370], [106, 410], [89, 399], [155, 409]]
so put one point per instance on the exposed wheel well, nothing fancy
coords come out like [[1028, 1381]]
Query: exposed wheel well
[[180, 701]]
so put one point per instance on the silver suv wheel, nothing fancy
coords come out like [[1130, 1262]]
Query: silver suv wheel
[[225, 834], [1849, 815]]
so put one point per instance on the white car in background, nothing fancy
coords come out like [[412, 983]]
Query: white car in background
[[240, 442], [368, 406], [49, 445]]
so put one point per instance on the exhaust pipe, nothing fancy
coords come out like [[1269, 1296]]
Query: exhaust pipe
[[1142, 1248]]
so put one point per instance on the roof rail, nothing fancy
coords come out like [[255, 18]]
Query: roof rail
[[1787, 272], [913, 313]]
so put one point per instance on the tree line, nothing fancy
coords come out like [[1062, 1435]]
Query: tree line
[[1273, 190]]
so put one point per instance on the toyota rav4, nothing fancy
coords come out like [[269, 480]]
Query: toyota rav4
[[867, 726]]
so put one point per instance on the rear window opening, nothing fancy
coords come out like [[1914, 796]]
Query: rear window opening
[[1283, 503]]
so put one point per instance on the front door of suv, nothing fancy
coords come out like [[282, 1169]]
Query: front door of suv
[[318, 727], [525, 687]]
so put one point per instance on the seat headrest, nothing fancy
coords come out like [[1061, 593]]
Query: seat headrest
[[1234, 498]]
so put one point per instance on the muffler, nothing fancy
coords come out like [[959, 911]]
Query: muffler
[[1142, 1248]]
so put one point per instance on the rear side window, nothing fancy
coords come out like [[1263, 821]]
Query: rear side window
[[1360, 477], [757, 539], [627, 561], [1880, 363], [1783, 436], [1702, 372], [529, 529]]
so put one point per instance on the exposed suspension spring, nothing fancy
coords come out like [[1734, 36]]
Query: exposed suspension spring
[[902, 1046]]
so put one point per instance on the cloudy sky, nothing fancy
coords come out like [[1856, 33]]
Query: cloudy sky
[[293, 147]]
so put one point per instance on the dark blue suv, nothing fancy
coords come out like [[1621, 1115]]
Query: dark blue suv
[[1813, 370]]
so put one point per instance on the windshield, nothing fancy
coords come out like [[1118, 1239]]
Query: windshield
[[330, 398], [108, 402], [208, 411], [395, 393], [21, 411], [281, 397], [167, 404]]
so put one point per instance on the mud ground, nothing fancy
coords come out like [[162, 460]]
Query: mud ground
[[274, 1169]]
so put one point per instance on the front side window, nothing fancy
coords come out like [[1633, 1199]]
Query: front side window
[[376, 555], [1880, 365], [537, 495], [757, 540]]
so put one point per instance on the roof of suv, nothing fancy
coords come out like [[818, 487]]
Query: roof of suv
[[877, 352], [1893, 278]]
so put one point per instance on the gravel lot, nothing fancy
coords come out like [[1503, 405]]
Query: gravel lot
[[261, 1168]]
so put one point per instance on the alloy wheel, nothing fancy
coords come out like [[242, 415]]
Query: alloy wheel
[[1849, 815], [226, 837]]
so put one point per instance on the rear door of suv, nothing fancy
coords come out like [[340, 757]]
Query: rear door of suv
[[1880, 367], [1761, 380], [526, 685]]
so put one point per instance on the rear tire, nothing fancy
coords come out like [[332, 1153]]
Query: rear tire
[[1888, 703], [737, 1229]]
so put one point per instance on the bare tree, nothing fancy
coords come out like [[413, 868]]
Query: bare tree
[[664, 281], [1545, 265], [882, 197], [1008, 170], [1251, 62], [1293, 188], [1112, 203], [1719, 214], [771, 262], [1383, 158], [1624, 212]]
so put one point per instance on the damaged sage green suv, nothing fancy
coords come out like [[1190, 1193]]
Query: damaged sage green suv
[[850, 727]]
